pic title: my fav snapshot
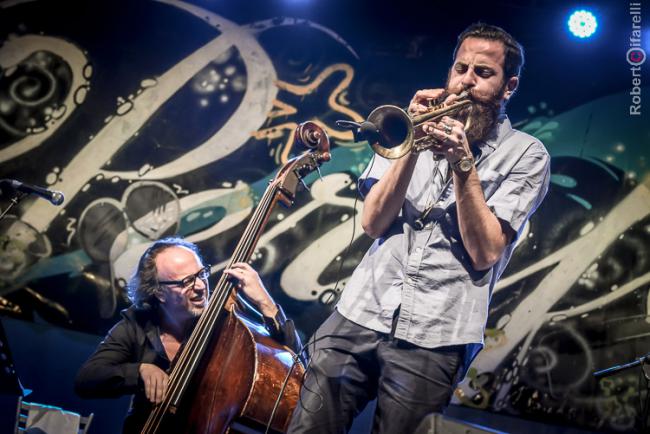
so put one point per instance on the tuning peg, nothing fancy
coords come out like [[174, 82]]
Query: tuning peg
[[324, 157]]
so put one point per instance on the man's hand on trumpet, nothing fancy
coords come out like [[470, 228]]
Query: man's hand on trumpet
[[423, 100], [449, 138], [448, 135]]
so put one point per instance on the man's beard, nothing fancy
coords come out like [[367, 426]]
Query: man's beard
[[195, 311], [483, 116]]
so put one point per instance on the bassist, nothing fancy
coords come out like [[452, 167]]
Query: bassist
[[169, 291]]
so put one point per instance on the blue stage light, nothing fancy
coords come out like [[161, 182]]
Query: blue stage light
[[582, 23]]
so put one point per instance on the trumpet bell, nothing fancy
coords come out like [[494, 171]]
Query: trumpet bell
[[395, 134], [395, 130]]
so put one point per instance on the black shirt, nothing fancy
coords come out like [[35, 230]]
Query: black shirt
[[113, 369]]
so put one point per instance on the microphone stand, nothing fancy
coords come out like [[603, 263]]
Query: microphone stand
[[644, 362]]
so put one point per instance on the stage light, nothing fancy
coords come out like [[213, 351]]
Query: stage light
[[582, 23]]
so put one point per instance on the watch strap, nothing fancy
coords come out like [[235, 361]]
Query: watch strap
[[464, 165]]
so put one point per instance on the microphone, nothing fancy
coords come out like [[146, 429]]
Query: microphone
[[362, 131], [53, 196]]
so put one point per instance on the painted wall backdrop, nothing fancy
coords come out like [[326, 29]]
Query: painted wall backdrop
[[167, 117]]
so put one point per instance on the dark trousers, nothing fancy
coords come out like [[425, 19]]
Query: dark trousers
[[351, 365]]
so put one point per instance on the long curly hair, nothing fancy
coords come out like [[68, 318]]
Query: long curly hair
[[143, 285]]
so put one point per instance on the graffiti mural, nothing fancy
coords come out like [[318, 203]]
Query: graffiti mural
[[575, 299], [224, 101], [150, 130]]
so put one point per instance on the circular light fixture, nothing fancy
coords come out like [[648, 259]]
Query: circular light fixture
[[582, 23]]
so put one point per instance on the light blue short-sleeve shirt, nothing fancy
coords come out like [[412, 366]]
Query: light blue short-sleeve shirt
[[426, 271]]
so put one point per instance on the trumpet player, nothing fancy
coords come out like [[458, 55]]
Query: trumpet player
[[445, 220]]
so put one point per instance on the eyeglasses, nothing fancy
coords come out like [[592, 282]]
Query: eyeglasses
[[189, 281]]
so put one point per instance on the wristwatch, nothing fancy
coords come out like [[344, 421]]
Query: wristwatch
[[464, 165]]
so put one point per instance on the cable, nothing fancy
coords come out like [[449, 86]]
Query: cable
[[313, 341], [354, 227], [296, 360]]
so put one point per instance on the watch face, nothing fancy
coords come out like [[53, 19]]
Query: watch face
[[465, 165]]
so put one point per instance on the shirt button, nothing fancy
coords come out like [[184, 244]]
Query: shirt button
[[418, 249]]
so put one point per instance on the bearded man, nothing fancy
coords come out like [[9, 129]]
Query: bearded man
[[445, 223]]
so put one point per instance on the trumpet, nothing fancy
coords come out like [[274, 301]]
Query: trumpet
[[395, 134]]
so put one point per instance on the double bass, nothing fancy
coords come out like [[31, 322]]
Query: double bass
[[230, 373]]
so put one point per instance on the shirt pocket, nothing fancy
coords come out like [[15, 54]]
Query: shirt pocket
[[490, 181]]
